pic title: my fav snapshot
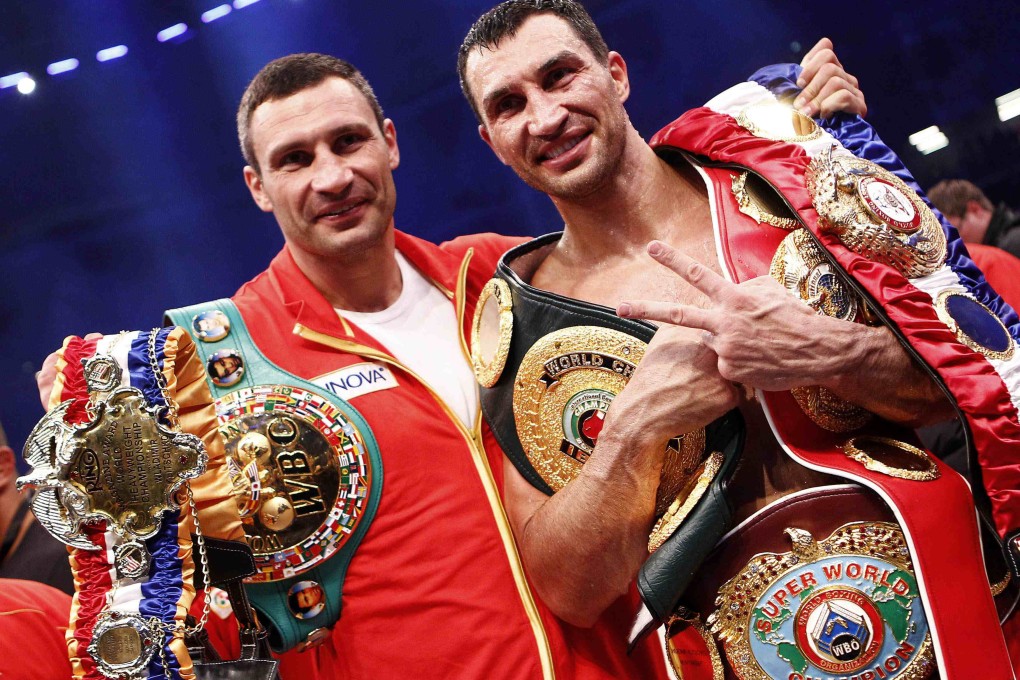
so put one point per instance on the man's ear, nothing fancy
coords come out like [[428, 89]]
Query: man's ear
[[974, 207], [258, 193], [618, 69], [483, 132], [390, 135]]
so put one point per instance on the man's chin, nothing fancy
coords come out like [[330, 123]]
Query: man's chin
[[570, 186], [354, 240]]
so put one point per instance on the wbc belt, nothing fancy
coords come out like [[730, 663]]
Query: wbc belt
[[862, 233], [550, 367], [306, 471]]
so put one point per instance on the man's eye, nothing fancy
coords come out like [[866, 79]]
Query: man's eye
[[295, 158], [507, 104], [558, 75], [349, 140]]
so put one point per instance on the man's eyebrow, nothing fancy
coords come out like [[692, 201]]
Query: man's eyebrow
[[555, 60]]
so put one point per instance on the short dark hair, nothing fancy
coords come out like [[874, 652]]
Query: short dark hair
[[503, 20], [952, 195], [288, 75]]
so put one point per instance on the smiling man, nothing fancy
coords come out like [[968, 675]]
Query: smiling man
[[352, 308], [707, 199]]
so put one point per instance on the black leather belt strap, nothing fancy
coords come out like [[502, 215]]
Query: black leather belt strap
[[536, 314], [229, 563]]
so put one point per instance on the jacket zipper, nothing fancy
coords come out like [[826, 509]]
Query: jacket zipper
[[476, 447]]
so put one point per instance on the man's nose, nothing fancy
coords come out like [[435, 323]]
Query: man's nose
[[331, 174], [546, 115]]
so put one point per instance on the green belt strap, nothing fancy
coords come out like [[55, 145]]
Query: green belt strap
[[270, 598]]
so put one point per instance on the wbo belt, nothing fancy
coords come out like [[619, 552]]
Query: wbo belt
[[818, 584], [550, 367], [306, 471]]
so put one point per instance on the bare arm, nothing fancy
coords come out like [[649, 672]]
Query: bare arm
[[583, 546], [767, 339]]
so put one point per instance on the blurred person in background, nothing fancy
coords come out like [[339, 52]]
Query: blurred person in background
[[975, 217]]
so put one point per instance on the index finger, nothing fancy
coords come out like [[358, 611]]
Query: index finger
[[689, 269]]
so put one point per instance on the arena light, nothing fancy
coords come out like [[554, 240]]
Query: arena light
[[62, 66], [171, 32], [26, 86], [12, 80], [215, 13], [111, 53], [929, 140], [241, 4], [1008, 105]]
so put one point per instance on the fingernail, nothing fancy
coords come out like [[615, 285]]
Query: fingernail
[[624, 309], [801, 82], [798, 102], [655, 248]]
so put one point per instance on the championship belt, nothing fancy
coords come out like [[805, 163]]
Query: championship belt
[[111, 472], [856, 242], [817, 584], [306, 471], [550, 367]]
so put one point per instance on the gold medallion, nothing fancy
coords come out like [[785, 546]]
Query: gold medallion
[[974, 324], [491, 331], [843, 608], [875, 214], [123, 643], [828, 411], [778, 122], [684, 500], [565, 385], [800, 265], [891, 457]]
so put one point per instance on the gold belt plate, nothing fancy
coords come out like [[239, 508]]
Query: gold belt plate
[[875, 214], [566, 383], [841, 608]]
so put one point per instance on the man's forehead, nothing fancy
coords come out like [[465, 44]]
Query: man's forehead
[[330, 102], [538, 39]]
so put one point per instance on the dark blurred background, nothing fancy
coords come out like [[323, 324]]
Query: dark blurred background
[[123, 193]]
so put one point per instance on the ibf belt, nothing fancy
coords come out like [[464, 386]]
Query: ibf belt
[[880, 235], [111, 470], [550, 367], [306, 472]]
